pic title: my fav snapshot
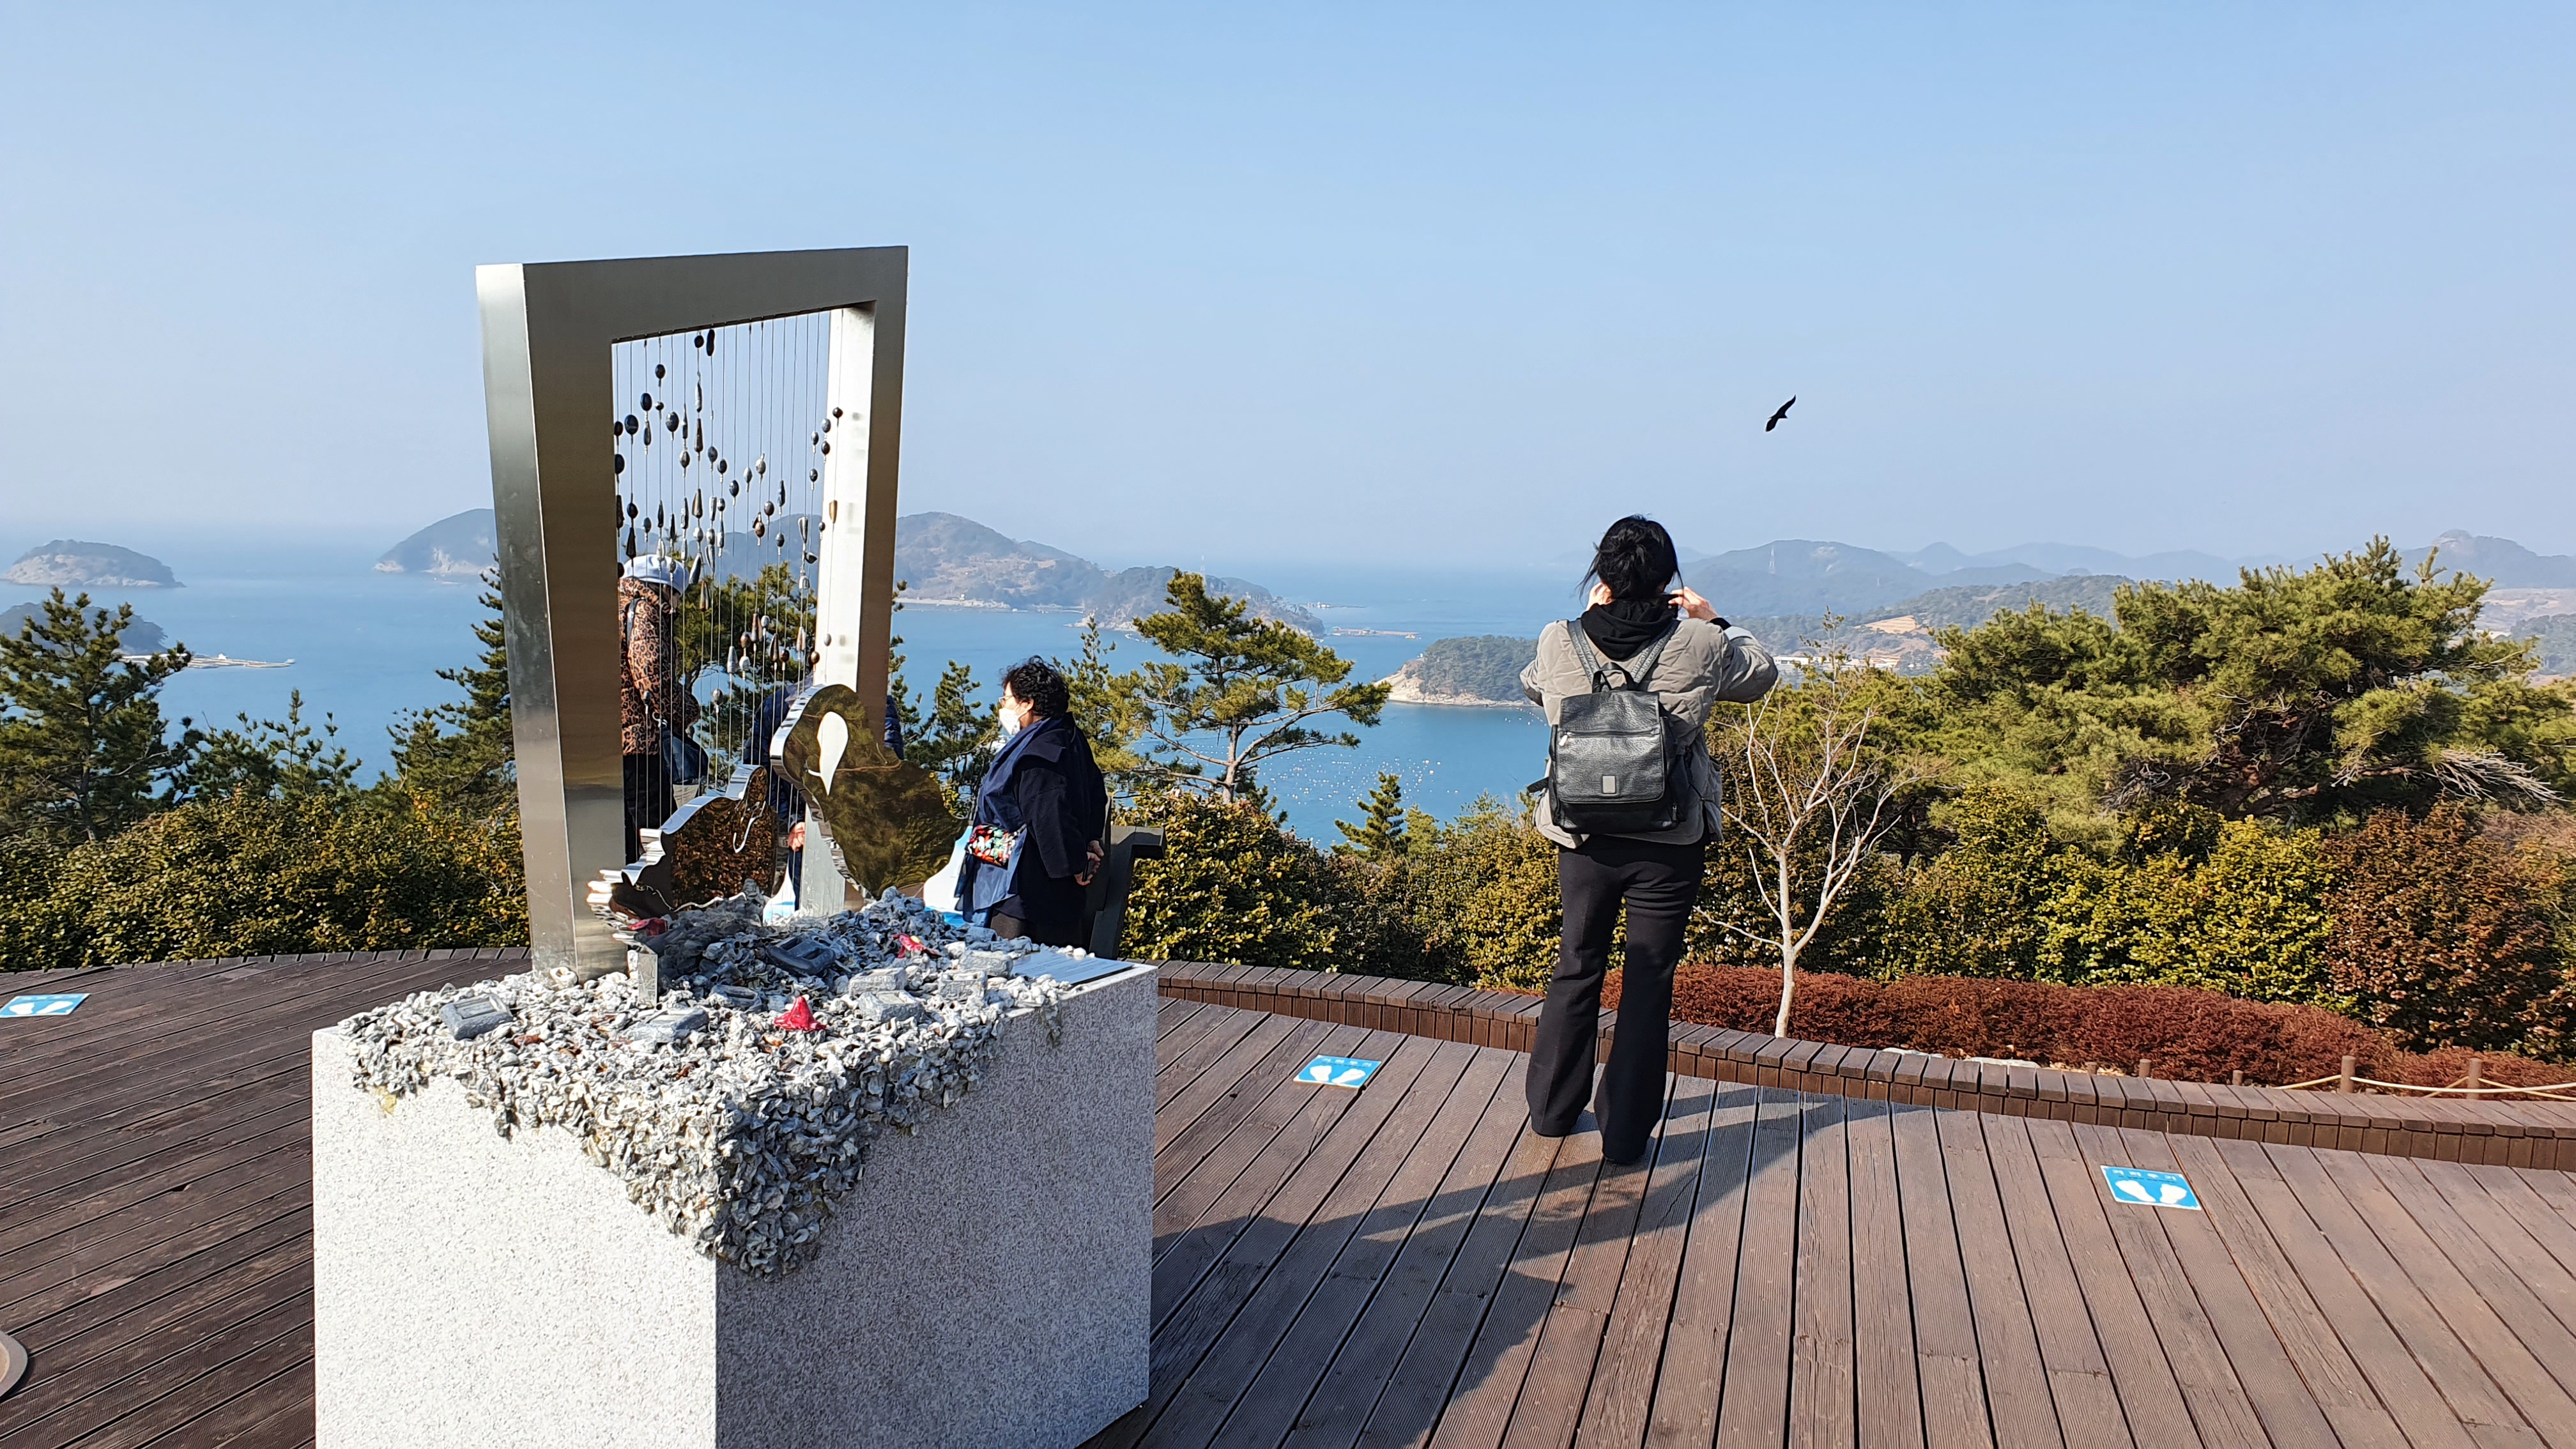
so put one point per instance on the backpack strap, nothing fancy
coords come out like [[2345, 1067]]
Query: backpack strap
[[1634, 670]]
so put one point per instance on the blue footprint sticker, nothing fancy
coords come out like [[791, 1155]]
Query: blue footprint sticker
[[2152, 1189], [1338, 1071], [43, 1005]]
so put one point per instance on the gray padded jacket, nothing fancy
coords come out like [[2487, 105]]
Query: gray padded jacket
[[1700, 666]]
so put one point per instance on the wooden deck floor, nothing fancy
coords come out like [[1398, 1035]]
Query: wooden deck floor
[[1406, 1264], [1409, 1265]]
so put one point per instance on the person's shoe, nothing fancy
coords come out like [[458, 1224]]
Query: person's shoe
[[1619, 1160]]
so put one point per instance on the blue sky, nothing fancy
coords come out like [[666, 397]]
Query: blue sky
[[1368, 283]]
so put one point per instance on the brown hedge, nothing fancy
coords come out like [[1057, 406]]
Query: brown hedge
[[2189, 1034]]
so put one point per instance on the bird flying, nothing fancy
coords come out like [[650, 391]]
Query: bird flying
[[1776, 417]]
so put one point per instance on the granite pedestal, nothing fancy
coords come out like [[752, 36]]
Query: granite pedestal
[[986, 1283]]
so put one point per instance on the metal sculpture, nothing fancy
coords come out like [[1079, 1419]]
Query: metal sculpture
[[549, 331], [886, 820]]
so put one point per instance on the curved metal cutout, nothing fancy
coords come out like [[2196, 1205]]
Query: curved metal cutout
[[889, 819], [714, 845]]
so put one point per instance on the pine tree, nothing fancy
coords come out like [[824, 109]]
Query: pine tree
[[459, 756], [1243, 695], [953, 741], [1380, 835], [83, 749], [273, 759], [1111, 721]]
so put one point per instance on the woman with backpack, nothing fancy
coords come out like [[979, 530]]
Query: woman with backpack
[[1631, 801]]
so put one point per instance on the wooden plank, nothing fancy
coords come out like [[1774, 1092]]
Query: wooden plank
[[1619, 1402], [1200, 1403], [1225, 1027], [71, 1368], [137, 1004], [2513, 1191], [1204, 1281], [2219, 1407], [2497, 1268], [121, 1236], [1885, 1380], [1688, 1385], [221, 1372], [152, 1187], [2148, 1394], [1280, 1393], [1569, 1345], [245, 1118], [69, 1279], [2079, 1379], [1366, 1361], [1823, 1413], [1497, 1363], [2521, 1240], [1170, 1015], [1409, 1408], [1188, 1099], [277, 1413], [2473, 1386], [101, 1303], [183, 1047], [1753, 1400], [1201, 1285], [2286, 1407], [1211, 1134], [2017, 1389], [71, 1399], [148, 1025], [2303, 1327], [2558, 1189], [1947, 1361]]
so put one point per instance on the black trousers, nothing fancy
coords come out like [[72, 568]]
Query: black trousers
[[648, 798], [1659, 884]]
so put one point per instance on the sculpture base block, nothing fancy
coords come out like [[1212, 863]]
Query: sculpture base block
[[987, 1282]]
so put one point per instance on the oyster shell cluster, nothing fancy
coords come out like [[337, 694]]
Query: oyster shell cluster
[[740, 1135]]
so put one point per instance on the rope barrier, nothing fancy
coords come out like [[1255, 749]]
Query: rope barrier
[[2556, 1091]]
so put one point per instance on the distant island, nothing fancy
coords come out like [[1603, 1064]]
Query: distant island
[[71, 563], [1898, 636], [461, 543], [1483, 670], [945, 558], [1890, 605], [942, 559], [140, 637], [2556, 636]]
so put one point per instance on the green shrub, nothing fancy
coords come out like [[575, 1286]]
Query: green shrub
[[1979, 908], [249, 876], [2251, 920], [1483, 901], [1233, 886]]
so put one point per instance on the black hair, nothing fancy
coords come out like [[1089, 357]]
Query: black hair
[[1035, 683], [1636, 559]]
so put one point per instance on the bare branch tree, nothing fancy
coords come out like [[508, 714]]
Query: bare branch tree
[[1810, 796]]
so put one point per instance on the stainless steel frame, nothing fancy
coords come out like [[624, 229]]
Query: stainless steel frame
[[547, 331]]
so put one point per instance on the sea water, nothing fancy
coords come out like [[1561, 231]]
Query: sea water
[[366, 648]]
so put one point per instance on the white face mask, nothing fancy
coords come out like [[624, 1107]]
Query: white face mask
[[1012, 720]]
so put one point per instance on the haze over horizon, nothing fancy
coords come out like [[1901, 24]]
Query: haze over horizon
[[1216, 287]]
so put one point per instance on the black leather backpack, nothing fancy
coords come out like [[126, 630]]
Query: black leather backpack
[[1611, 763]]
